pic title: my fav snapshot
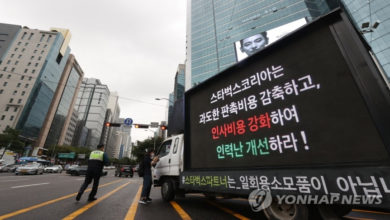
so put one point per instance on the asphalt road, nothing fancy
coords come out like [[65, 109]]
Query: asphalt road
[[52, 196]]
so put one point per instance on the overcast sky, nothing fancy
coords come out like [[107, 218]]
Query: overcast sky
[[132, 46]]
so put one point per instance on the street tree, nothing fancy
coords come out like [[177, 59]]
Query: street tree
[[11, 141]]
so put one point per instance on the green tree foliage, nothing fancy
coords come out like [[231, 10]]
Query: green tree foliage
[[54, 150], [143, 146], [10, 137]]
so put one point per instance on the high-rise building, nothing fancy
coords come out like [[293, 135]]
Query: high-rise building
[[217, 29], [178, 91], [30, 73], [112, 140], [376, 14], [57, 119], [8, 33], [91, 104], [70, 131]]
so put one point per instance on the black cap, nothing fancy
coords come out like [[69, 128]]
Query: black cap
[[100, 146]]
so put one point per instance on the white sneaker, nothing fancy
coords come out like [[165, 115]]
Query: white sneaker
[[142, 201]]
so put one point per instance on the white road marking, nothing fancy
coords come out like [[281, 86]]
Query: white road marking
[[37, 184], [80, 179], [3, 181]]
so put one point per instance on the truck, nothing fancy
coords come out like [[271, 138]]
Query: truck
[[301, 128]]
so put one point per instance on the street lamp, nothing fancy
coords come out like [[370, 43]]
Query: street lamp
[[158, 99]]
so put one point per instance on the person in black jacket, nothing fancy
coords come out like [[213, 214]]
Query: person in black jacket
[[96, 162], [148, 161]]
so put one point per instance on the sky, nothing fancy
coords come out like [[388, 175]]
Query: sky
[[132, 46]]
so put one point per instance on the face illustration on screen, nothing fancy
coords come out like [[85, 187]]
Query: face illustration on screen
[[254, 43]]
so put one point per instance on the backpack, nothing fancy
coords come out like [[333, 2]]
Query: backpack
[[141, 169]]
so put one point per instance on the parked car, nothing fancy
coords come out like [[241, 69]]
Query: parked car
[[53, 169], [82, 170], [70, 168], [34, 168], [9, 168], [124, 170]]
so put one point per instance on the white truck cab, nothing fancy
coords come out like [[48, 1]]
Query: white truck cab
[[167, 170]]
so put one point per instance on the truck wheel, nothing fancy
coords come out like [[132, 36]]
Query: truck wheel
[[168, 190], [286, 212]]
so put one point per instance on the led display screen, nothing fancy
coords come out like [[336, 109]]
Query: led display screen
[[294, 104]]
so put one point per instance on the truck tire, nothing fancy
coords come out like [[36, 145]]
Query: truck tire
[[168, 190], [286, 212]]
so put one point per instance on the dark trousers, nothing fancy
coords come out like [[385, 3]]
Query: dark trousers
[[95, 176], [147, 186]]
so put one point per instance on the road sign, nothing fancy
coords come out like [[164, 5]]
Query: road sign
[[154, 124], [128, 121]]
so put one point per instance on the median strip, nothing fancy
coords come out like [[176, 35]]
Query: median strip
[[21, 211], [134, 205], [91, 204]]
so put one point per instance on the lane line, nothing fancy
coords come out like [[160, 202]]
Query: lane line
[[81, 210], [23, 186], [3, 181], [235, 214], [369, 211], [183, 214], [21, 211], [134, 205]]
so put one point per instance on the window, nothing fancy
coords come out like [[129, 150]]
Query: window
[[1, 75], [1, 91], [45, 46], [9, 76], [176, 145], [22, 78], [29, 78], [19, 43], [12, 55], [14, 93], [33, 71], [25, 70], [11, 118], [13, 69], [6, 109], [39, 58], [38, 45], [35, 51], [42, 51], [20, 56], [5, 69], [9, 61], [23, 92], [11, 100], [15, 109], [48, 39], [16, 62], [23, 49], [32, 57], [26, 86], [26, 44], [16, 49], [42, 37], [29, 64], [19, 101], [18, 85], [31, 35], [24, 34], [5, 83], [165, 148], [36, 64], [2, 117]]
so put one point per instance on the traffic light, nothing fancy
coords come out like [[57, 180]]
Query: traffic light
[[109, 124], [163, 127], [141, 126]]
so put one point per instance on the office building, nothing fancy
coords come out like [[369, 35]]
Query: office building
[[91, 105], [216, 29], [112, 140], [8, 33], [372, 18], [178, 91], [70, 131], [57, 119]]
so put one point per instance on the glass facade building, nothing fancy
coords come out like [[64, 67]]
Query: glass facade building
[[378, 38], [38, 103], [179, 82], [214, 27], [63, 108]]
